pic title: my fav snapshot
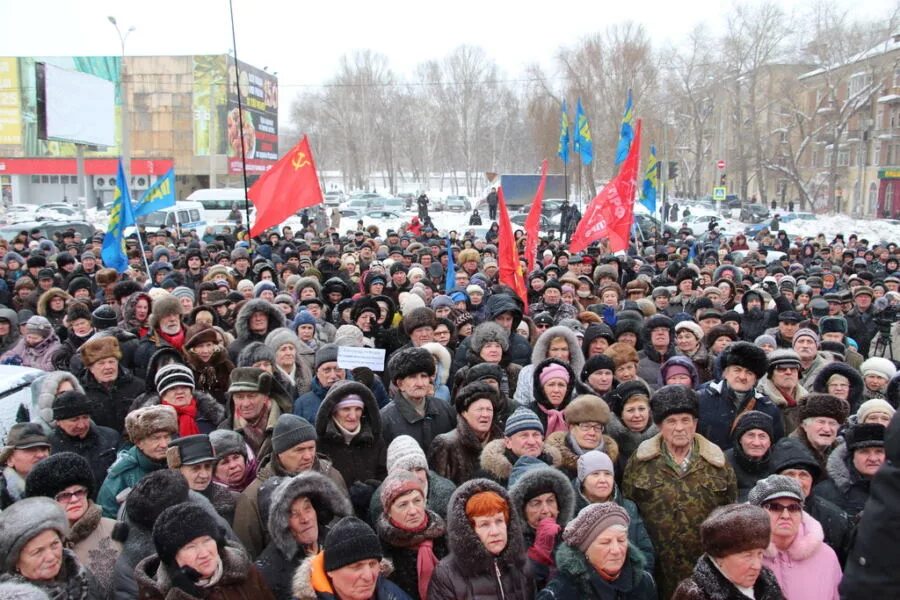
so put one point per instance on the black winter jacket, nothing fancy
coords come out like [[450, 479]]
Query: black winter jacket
[[99, 448]]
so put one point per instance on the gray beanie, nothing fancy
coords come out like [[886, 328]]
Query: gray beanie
[[326, 353], [39, 325], [405, 453], [226, 441], [291, 430], [765, 339], [25, 519], [280, 336], [775, 486], [183, 292], [593, 461]]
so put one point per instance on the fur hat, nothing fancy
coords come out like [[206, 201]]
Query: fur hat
[[753, 419], [622, 393], [71, 404], [190, 450], [10, 590], [78, 310], [832, 325], [405, 453], [154, 493], [672, 400], [226, 441], [165, 306], [622, 354], [719, 331], [99, 347], [792, 453], [866, 435], [409, 361], [419, 317], [25, 519], [483, 371], [735, 528], [775, 486], [250, 379], [179, 525], [348, 541], [57, 472], [592, 521], [489, 331], [691, 326], [587, 407], [530, 477], [824, 405], [877, 365], [746, 355], [325, 354], [291, 430], [143, 422]]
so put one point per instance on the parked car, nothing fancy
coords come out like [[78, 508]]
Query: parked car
[[49, 229], [646, 222], [546, 225], [334, 198], [754, 213], [394, 204], [19, 386], [358, 204], [457, 204]]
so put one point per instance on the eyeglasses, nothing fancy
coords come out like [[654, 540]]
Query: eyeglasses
[[778, 507], [67, 497], [586, 427]]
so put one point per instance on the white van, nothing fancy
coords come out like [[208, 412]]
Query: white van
[[184, 215], [218, 203]]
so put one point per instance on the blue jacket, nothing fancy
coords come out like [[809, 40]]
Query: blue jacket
[[718, 412]]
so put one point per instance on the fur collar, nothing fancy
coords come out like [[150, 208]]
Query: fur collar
[[808, 541], [72, 583], [207, 406], [152, 574], [86, 525], [651, 449], [301, 584], [838, 467], [398, 538], [711, 584], [495, 461], [560, 441]]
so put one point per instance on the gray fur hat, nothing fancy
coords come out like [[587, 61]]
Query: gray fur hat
[[163, 307], [489, 331], [22, 521], [145, 421], [255, 352]]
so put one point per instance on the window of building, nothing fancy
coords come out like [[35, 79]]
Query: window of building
[[858, 82], [843, 158], [35, 179], [897, 77], [45, 179], [876, 154]]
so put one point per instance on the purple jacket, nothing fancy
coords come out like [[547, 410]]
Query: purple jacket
[[809, 568]]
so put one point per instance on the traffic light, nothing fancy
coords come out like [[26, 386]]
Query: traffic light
[[722, 179], [673, 169]]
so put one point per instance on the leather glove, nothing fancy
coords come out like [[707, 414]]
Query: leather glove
[[544, 542], [185, 579], [772, 288]]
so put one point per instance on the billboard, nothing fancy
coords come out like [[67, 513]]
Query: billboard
[[10, 102], [75, 107]]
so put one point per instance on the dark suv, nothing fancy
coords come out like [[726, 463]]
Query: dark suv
[[754, 213]]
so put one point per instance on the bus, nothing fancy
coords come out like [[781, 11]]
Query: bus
[[218, 203]]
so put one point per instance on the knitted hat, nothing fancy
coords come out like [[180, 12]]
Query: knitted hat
[[522, 419], [348, 541], [735, 528], [350, 335], [765, 340], [775, 486], [782, 357], [78, 310], [593, 520], [39, 325], [419, 317], [190, 450], [99, 347], [475, 391], [226, 441], [410, 361], [173, 375], [672, 400], [304, 317], [596, 363], [22, 521], [404, 453], [867, 435], [746, 355], [396, 484], [250, 379], [587, 408], [593, 461], [805, 333], [154, 493], [876, 405], [753, 419], [183, 292], [57, 472], [690, 326], [179, 525], [143, 422], [326, 354], [70, 404], [104, 317], [878, 366], [165, 306], [291, 430], [824, 405]]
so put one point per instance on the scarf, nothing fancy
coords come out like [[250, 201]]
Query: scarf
[[255, 432], [15, 483], [556, 421], [214, 578], [578, 450], [426, 561], [177, 340], [187, 417], [346, 433]]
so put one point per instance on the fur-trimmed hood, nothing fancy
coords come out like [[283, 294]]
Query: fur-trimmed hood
[[47, 394], [539, 476], [652, 448], [838, 467], [560, 441], [43, 303], [371, 417], [495, 462], [242, 322], [207, 406], [542, 346], [329, 502], [810, 537], [442, 360], [128, 309], [820, 383]]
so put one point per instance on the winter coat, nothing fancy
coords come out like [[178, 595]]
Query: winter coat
[[845, 487], [99, 447], [437, 500], [129, 468], [861, 327], [74, 581], [455, 454], [10, 339], [577, 578], [718, 412], [145, 350], [212, 377], [857, 386], [236, 423], [873, 569], [223, 500], [650, 361], [747, 470], [307, 405], [240, 580], [790, 415], [47, 394], [311, 583], [562, 441], [509, 385], [519, 347], [524, 392], [808, 568], [91, 540], [365, 457], [243, 335], [708, 583], [209, 412], [627, 440], [470, 572], [656, 487], [39, 356], [807, 376], [497, 462], [540, 400], [402, 549], [400, 417], [110, 404], [820, 455]]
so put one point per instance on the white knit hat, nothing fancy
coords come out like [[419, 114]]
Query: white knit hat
[[404, 452], [878, 366]]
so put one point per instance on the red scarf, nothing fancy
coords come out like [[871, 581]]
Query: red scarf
[[426, 561], [556, 421], [177, 340], [187, 417]]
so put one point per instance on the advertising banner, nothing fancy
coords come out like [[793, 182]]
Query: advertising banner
[[259, 100], [10, 102]]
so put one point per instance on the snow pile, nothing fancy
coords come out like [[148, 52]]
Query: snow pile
[[873, 230]]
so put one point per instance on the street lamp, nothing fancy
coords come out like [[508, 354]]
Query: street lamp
[[125, 149]]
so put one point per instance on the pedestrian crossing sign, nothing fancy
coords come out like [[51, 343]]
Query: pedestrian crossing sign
[[719, 193]]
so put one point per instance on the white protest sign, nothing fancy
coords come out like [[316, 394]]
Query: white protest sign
[[350, 358]]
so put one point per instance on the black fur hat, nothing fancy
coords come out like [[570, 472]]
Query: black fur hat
[[180, 524], [674, 399], [153, 494], [746, 355], [410, 361], [476, 391], [78, 310], [824, 405], [57, 472]]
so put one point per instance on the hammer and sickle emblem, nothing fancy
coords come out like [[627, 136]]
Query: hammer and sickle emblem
[[300, 160]]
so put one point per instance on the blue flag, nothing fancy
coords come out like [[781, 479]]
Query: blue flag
[[651, 182], [158, 196], [626, 133], [450, 279], [563, 150], [121, 216], [583, 143]]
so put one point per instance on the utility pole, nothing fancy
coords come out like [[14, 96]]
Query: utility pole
[[125, 149]]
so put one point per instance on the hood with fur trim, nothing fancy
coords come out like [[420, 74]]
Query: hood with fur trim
[[857, 386], [838, 467], [242, 322], [542, 346], [128, 310], [542, 478], [307, 282], [371, 417], [808, 541], [329, 503], [442, 360], [43, 303], [47, 394], [497, 464], [538, 391]]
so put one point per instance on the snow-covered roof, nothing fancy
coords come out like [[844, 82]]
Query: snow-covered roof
[[889, 45], [889, 98]]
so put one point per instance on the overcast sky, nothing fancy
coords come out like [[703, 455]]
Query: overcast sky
[[303, 39]]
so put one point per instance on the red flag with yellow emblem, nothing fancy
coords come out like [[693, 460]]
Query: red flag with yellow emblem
[[507, 256], [289, 186]]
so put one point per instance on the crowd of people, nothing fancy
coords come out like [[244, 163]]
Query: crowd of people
[[669, 422]]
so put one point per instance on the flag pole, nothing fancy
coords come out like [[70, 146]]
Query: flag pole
[[237, 83], [137, 231]]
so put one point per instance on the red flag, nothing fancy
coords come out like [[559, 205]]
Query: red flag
[[508, 257], [290, 185], [611, 213], [533, 222]]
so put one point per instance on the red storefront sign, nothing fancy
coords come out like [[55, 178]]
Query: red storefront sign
[[68, 166]]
